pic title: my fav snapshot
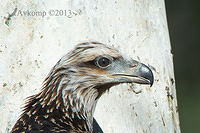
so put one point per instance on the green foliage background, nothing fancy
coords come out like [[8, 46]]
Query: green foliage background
[[184, 27]]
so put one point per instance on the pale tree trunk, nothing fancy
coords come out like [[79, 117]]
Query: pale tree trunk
[[33, 40]]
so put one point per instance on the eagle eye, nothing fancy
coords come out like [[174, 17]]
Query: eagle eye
[[103, 62]]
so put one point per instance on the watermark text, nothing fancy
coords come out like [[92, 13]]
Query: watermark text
[[43, 13]]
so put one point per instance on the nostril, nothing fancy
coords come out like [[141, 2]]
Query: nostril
[[133, 65]]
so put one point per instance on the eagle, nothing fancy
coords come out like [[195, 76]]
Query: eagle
[[70, 92]]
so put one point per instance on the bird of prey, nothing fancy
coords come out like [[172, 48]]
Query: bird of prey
[[67, 100]]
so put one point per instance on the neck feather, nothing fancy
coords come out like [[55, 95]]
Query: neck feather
[[75, 101]]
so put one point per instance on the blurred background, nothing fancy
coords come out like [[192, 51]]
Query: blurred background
[[184, 28]]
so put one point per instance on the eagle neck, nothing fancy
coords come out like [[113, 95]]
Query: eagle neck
[[80, 103]]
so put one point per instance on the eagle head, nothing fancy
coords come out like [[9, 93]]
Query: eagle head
[[72, 88]]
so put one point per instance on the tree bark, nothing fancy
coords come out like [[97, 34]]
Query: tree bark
[[35, 35]]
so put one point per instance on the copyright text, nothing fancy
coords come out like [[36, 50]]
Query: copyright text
[[57, 13]]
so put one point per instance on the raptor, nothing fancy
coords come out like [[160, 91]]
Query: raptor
[[67, 100]]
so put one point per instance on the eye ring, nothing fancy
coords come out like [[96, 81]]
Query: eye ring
[[103, 62]]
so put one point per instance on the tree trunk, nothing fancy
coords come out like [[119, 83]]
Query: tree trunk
[[35, 35]]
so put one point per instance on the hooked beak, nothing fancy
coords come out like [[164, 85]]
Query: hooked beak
[[140, 73]]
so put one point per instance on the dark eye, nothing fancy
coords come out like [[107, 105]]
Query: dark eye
[[103, 62]]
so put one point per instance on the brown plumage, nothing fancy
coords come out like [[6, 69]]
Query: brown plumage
[[71, 90]]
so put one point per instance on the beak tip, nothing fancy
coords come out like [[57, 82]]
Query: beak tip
[[151, 83], [146, 73], [151, 78]]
